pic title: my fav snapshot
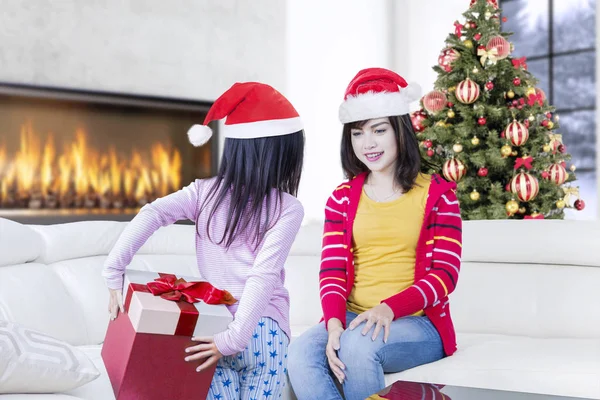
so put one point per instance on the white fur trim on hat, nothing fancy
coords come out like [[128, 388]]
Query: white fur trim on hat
[[258, 129], [199, 134], [378, 105]]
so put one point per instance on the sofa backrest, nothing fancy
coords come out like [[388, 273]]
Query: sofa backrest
[[536, 278]]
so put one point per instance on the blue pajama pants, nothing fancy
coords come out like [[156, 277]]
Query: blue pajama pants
[[257, 373]]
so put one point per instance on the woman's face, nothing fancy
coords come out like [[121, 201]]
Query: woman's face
[[375, 144]]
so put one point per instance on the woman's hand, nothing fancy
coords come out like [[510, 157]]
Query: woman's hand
[[207, 350], [115, 303], [335, 329], [381, 316]]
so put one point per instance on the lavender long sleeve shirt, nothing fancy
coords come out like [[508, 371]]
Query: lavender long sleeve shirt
[[253, 276]]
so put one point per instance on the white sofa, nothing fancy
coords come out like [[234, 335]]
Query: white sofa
[[527, 307]]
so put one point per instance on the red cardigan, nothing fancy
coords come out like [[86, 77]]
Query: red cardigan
[[438, 256]]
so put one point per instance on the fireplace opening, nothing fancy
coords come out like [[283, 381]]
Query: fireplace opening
[[71, 155]]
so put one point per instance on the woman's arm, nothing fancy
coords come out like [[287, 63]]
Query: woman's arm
[[263, 279], [446, 258], [334, 258], [182, 204]]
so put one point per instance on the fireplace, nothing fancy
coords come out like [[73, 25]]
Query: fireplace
[[69, 155]]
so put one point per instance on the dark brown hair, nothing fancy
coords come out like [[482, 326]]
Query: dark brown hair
[[409, 162]]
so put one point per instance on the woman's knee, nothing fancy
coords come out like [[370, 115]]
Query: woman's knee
[[358, 348]]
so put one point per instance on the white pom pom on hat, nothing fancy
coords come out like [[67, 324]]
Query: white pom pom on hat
[[253, 110], [377, 93]]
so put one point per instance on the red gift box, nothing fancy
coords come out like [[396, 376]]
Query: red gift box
[[144, 348]]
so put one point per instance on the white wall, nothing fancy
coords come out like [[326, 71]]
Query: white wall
[[328, 42], [179, 48]]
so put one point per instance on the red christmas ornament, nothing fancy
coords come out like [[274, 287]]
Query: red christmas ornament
[[434, 101], [483, 171], [564, 164], [417, 118], [428, 143], [481, 121], [525, 186], [526, 123], [501, 45], [450, 104], [545, 122], [447, 57], [454, 170], [489, 85], [579, 204], [504, 19], [430, 153], [545, 175], [507, 187], [522, 101], [467, 91], [549, 115], [562, 148], [517, 133], [517, 82], [557, 174], [502, 135], [515, 102], [520, 106], [477, 36], [472, 24]]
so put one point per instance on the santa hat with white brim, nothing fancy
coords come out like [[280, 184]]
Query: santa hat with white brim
[[377, 93], [253, 110]]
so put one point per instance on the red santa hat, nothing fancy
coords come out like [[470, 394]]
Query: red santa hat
[[377, 93], [253, 110]]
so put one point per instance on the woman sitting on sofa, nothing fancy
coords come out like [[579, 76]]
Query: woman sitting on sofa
[[390, 257]]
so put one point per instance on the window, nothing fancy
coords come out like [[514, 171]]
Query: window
[[558, 37]]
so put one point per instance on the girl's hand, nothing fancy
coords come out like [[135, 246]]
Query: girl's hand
[[381, 316], [207, 350], [115, 303], [335, 330]]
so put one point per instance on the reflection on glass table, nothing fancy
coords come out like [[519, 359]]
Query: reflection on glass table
[[404, 390]]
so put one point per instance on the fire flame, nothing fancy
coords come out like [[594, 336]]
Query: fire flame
[[80, 170]]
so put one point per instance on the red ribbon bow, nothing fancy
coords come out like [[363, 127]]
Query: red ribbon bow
[[536, 216], [458, 28], [524, 162], [169, 287], [535, 98], [520, 62]]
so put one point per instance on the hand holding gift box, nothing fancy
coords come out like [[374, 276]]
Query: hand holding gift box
[[144, 349]]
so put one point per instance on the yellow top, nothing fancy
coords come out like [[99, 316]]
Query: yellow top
[[385, 237]]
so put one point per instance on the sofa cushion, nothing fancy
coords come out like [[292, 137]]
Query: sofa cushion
[[33, 362], [18, 243], [99, 389], [566, 367], [34, 295]]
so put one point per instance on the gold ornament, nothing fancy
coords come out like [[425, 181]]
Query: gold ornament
[[550, 125], [556, 118], [561, 204], [487, 15], [529, 91], [522, 210], [452, 88], [546, 148], [531, 117], [573, 168], [468, 44], [475, 141], [512, 207], [441, 123], [474, 195], [510, 94], [450, 114], [514, 153], [457, 148], [506, 151], [467, 25], [475, 70]]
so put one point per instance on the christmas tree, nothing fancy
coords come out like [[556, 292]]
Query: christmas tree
[[488, 128]]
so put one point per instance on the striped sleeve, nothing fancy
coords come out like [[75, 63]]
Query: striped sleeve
[[334, 258], [445, 255], [164, 211]]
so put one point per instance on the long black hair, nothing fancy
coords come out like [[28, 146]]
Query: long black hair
[[409, 162], [250, 170]]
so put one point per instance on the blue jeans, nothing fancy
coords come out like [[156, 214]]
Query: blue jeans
[[413, 341]]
